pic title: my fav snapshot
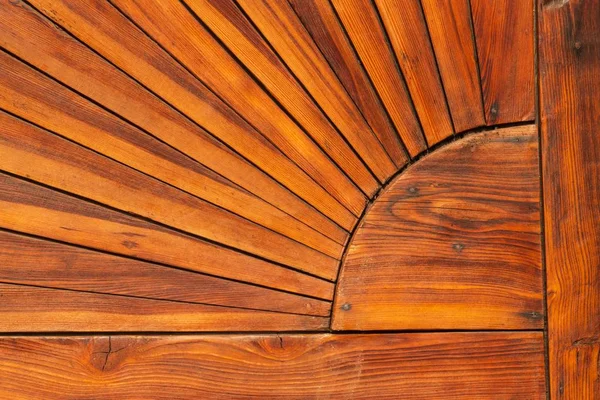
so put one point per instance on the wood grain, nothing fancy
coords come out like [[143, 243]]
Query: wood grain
[[410, 366], [361, 21], [505, 45], [320, 20], [108, 32], [407, 30], [453, 242], [30, 36], [569, 49], [451, 34]]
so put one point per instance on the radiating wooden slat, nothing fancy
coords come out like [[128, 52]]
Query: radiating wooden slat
[[29, 208], [449, 24], [29, 309], [569, 62], [108, 182], [31, 261], [33, 38], [101, 27], [319, 18], [407, 30], [361, 21], [453, 243], [380, 366], [504, 36]]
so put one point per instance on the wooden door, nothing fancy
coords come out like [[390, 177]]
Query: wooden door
[[299, 199]]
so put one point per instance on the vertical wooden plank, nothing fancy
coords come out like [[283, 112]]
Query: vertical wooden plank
[[504, 36], [449, 24], [569, 46]]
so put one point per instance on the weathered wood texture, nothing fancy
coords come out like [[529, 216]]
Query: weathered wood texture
[[410, 366], [505, 45], [569, 48], [452, 243]]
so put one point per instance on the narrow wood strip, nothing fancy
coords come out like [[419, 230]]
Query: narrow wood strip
[[31, 261], [360, 20], [504, 36], [171, 24], [29, 35], [387, 366], [569, 51], [451, 34], [101, 27], [408, 34], [44, 102], [28, 309], [29, 208]]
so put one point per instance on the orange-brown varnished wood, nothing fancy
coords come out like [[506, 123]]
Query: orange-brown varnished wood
[[452, 243], [451, 34], [569, 50], [391, 366], [505, 44]]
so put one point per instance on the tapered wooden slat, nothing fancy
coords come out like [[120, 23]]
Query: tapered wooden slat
[[451, 34], [31, 261], [408, 366], [26, 309], [46, 103], [504, 36], [104, 29], [28, 208], [29, 35], [453, 243], [569, 60], [407, 30], [171, 24], [361, 21]]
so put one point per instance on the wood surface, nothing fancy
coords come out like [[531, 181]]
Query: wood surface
[[452, 243], [321, 366], [569, 49]]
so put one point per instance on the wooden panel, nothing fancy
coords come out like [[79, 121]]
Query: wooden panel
[[320, 20], [29, 208], [33, 38], [451, 33], [569, 49], [361, 21], [453, 243], [101, 27], [504, 36], [408, 34], [412, 366], [31, 261]]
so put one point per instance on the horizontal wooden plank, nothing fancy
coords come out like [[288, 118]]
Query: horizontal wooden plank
[[29, 208], [31, 261], [453, 242], [409, 366], [30, 36]]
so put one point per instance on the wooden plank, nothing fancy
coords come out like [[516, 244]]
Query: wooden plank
[[46, 158], [412, 366], [36, 262], [304, 60], [449, 24], [453, 243], [319, 18], [361, 21], [29, 309], [170, 23], [28, 208], [104, 29], [407, 30], [569, 50], [29, 35], [505, 41]]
